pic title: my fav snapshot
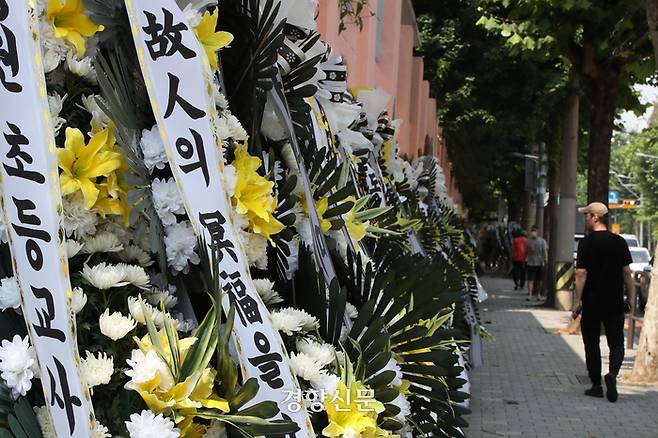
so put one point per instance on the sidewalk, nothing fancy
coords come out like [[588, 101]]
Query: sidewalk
[[532, 381]]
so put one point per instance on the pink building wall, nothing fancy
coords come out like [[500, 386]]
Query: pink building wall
[[396, 70]]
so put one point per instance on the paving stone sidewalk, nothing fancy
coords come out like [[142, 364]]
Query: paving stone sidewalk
[[532, 380]]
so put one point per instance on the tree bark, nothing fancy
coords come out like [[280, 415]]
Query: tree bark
[[603, 97], [652, 21], [645, 367]]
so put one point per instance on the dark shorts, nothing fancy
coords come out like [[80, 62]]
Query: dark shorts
[[534, 273]]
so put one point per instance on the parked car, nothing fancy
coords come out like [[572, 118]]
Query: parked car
[[631, 240], [641, 259]]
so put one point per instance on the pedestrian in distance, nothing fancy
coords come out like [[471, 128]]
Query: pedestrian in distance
[[536, 250], [519, 259], [602, 270]]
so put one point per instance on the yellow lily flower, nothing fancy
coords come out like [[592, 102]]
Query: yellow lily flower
[[211, 40], [321, 206], [355, 228], [71, 23], [253, 195], [164, 393], [351, 412], [82, 164]]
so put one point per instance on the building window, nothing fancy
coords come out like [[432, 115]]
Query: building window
[[380, 21]]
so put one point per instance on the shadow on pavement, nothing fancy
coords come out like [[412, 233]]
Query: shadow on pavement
[[532, 381]]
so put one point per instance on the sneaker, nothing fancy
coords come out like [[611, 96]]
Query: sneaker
[[611, 388], [595, 391], [527, 298], [516, 287]]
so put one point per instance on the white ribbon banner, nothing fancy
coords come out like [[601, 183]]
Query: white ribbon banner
[[32, 205], [175, 70]]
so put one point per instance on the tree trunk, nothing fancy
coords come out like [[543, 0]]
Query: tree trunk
[[652, 21], [603, 98], [645, 368]]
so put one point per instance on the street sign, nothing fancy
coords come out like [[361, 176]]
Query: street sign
[[613, 197], [616, 228]]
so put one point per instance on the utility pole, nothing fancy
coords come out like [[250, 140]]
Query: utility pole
[[540, 167], [564, 266]]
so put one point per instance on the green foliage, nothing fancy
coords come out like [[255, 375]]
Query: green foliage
[[642, 170], [353, 12], [491, 102]]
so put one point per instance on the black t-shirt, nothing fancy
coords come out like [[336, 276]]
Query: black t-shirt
[[604, 255]]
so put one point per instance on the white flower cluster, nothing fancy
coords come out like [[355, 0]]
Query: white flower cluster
[[180, 245], [265, 289], [10, 294], [115, 326], [180, 240], [97, 370], [167, 200], [18, 364], [105, 276], [290, 321], [148, 425]]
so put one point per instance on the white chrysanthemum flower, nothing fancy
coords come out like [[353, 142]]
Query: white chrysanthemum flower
[[17, 363], [352, 311], [392, 365], [265, 289], [135, 309], [102, 242], [304, 366], [97, 370], [100, 431], [82, 67], [103, 276], [227, 126], [271, 126], [230, 178], [180, 244], [148, 425], [220, 100], [184, 325], [153, 149], [50, 59], [10, 294], [155, 296], [291, 320], [216, 430], [77, 220], [322, 353], [55, 104], [255, 248], [43, 418], [135, 275], [167, 200], [115, 326], [135, 254], [78, 300], [144, 367], [402, 402], [90, 104], [73, 247], [326, 383]]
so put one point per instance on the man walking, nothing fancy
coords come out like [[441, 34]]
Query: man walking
[[518, 259], [602, 269], [536, 250]]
